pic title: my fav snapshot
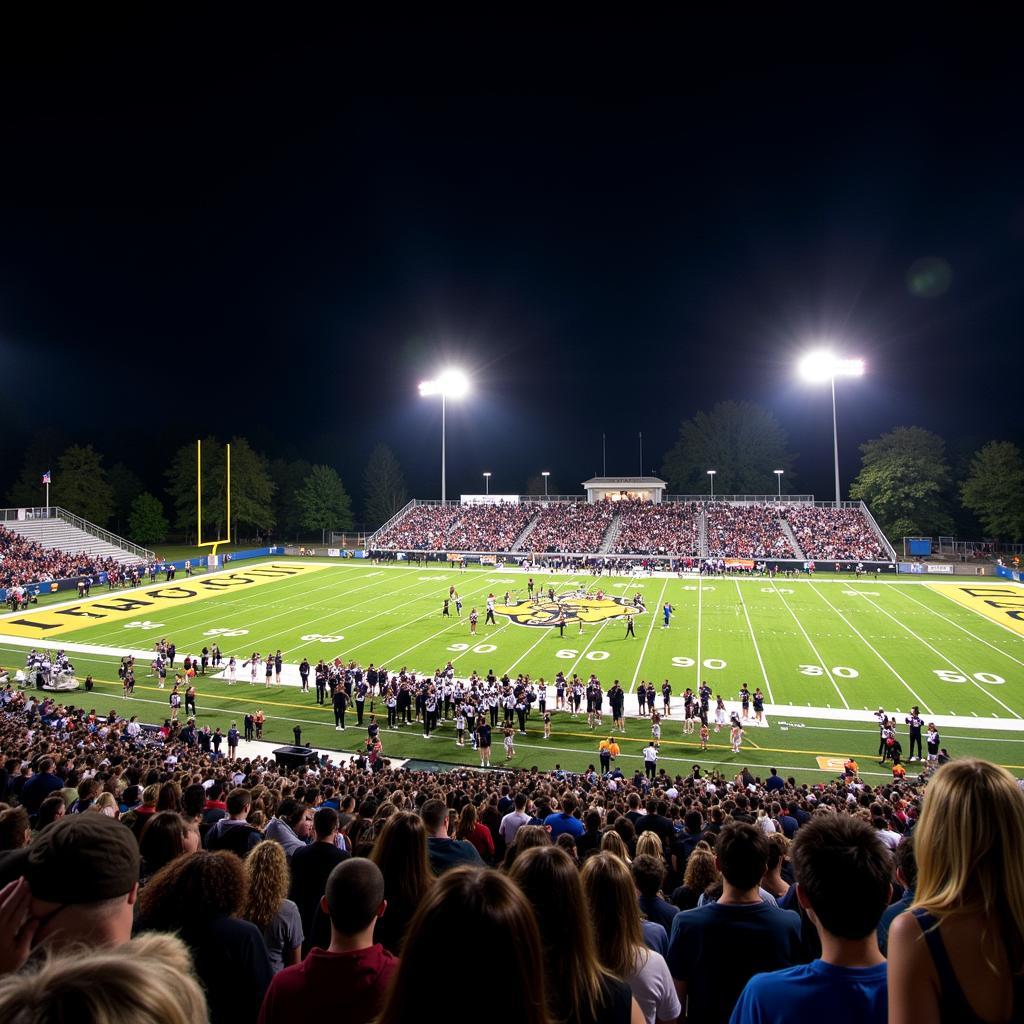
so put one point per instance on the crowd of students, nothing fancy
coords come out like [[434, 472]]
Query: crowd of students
[[142, 883], [733, 530], [25, 561]]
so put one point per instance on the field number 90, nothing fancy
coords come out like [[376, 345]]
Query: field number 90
[[949, 676]]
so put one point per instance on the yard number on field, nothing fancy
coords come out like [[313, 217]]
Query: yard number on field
[[947, 675]]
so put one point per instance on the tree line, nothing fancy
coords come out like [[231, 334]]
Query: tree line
[[905, 477], [269, 497]]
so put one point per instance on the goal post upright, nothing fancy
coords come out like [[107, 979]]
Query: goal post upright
[[211, 544]]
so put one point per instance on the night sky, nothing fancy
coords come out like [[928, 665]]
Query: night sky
[[282, 243]]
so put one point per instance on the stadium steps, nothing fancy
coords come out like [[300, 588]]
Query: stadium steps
[[883, 540], [791, 537], [520, 541], [611, 535], [372, 539], [702, 534], [56, 534]]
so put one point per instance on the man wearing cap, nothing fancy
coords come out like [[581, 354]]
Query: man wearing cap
[[78, 883]]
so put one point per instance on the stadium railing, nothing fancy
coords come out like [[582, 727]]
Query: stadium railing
[[14, 515]]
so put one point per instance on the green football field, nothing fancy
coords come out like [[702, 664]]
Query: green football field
[[825, 652]]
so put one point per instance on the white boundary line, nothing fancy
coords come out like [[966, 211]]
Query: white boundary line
[[757, 650], [700, 624], [874, 650], [647, 639], [939, 653], [810, 643]]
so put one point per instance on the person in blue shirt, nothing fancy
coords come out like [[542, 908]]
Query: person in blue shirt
[[843, 873], [667, 612], [774, 781], [563, 822]]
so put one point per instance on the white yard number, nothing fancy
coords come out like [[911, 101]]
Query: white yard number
[[479, 649], [566, 652], [781, 590], [949, 676], [144, 624], [712, 663], [682, 662], [597, 655], [323, 638], [715, 663], [843, 671], [226, 632]]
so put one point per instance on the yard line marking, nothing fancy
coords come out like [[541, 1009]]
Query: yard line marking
[[874, 651], [544, 634], [469, 650], [757, 650], [821, 661], [650, 630], [935, 650], [700, 594], [953, 622], [600, 630]]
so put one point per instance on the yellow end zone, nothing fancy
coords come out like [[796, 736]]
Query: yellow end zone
[[1001, 604], [113, 607]]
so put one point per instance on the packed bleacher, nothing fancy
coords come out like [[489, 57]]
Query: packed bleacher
[[577, 527], [745, 531], [23, 562], [489, 527], [833, 533], [663, 528], [422, 528], [149, 880]]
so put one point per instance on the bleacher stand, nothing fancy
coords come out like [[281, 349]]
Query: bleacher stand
[[745, 531], [666, 528], [829, 533]]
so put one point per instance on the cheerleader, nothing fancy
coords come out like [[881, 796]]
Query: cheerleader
[[254, 668], [547, 725], [510, 749], [736, 734], [268, 666], [656, 727], [719, 714], [232, 671], [460, 728], [704, 733]]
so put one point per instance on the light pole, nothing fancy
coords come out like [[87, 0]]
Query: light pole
[[711, 473], [821, 366], [545, 474], [487, 483], [449, 384], [778, 476]]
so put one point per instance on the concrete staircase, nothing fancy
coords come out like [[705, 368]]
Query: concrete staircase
[[702, 535], [791, 537], [611, 535], [520, 541]]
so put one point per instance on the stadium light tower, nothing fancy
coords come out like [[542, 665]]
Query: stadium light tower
[[487, 483], [545, 474], [711, 473], [778, 477], [818, 367], [449, 384]]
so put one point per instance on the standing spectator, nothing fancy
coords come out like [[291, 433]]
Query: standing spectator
[[473, 831], [717, 948], [401, 854], [465, 906], [958, 955], [843, 873], [292, 826], [444, 853], [352, 966], [267, 905], [312, 865], [648, 875], [234, 832], [615, 920], [581, 988]]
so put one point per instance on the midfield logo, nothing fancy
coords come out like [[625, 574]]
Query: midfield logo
[[543, 612]]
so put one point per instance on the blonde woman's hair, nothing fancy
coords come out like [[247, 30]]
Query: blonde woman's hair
[[614, 914], [700, 869], [147, 981], [968, 846], [612, 842], [650, 843], [266, 868]]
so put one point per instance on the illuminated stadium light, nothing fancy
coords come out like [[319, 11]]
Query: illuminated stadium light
[[449, 384], [711, 473], [778, 476], [820, 366], [487, 483], [545, 473]]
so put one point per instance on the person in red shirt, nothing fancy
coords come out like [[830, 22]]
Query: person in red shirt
[[353, 964]]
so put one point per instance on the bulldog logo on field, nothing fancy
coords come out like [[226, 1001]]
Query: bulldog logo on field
[[545, 612]]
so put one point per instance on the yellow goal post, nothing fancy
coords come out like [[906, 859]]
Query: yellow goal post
[[212, 544]]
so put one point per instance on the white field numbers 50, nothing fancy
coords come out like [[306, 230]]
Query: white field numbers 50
[[842, 671], [948, 675]]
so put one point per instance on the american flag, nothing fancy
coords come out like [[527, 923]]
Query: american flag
[[46, 477]]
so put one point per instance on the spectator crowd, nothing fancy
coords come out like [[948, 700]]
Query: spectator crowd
[[745, 531], [662, 528], [151, 883], [23, 562], [833, 533]]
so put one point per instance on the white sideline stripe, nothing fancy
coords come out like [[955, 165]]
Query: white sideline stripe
[[821, 660], [913, 693], [948, 661], [973, 611], [700, 625], [73, 648], [757, 650], [647, 640]]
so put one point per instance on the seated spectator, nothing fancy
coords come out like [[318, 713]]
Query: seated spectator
[[843, 875], [958, 954], [615, 921], [267, 906], [401, 854], [648, 876], [715, 949], [352, 965], [311, 866], [444, 853], [199, 897], [478, 918], [580, 989], [149, 980]]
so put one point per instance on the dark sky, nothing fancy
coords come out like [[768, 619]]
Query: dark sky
[[282, 242]]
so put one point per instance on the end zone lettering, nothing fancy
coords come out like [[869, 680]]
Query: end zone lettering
[[112, 607], [1004, 605]]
